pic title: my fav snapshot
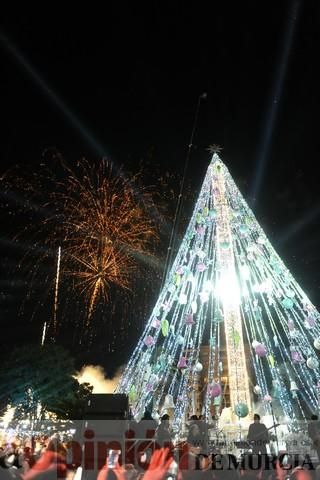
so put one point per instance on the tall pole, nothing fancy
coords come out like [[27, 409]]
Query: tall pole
[[275, 427], [177, 215]]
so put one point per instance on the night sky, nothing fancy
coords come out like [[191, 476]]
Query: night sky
[[124, 82]]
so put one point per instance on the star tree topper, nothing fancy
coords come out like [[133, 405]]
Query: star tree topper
[[214, 148]]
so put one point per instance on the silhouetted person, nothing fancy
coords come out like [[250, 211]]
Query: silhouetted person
[[194, 438], [258, 436], [147, 426], [204, 430], [163, 433], [314, 433]]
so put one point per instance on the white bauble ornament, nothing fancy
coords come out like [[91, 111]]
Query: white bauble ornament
[[198, 367], [312, 363], [183, 299], [180, 340], [261, 240], [257, 390], [194, 307]]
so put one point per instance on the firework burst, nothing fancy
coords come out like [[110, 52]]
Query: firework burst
[[105, 223], [101, 221]]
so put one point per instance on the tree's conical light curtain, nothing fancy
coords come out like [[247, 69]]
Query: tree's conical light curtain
[[227, 284]]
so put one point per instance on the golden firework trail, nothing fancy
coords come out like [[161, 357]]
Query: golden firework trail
[[44, 333], [56, 292]]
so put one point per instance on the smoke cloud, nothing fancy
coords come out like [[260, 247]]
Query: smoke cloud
[[95, 375]]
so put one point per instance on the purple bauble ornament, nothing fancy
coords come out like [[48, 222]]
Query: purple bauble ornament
[[214, 390], [261, 350], [149, 341], [189, 319], [155, 323], [149, 387], [310, 322], [296, 356], [182, 363], [290, 325], [201, 267]]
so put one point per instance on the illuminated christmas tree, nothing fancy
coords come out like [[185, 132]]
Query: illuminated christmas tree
[[227, 286]]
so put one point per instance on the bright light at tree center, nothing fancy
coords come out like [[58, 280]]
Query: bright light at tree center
[[227, 288]]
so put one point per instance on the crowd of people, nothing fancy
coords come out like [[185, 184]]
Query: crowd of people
[[47, 458], [39, 457]]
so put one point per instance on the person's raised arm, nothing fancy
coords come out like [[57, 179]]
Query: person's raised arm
[[159, 465]]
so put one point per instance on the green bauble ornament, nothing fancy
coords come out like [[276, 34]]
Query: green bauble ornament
[[241, 410], [212, 213], [224, 245], [218, 317], [273, 260], [199, 218], [165, 327], [236, 338], [162, 360], [277, 268], [132, 394], [287, 303], [243, 228], [258, 314]]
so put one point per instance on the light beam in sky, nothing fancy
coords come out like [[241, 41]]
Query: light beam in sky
[[278, 84], [51, 95]]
